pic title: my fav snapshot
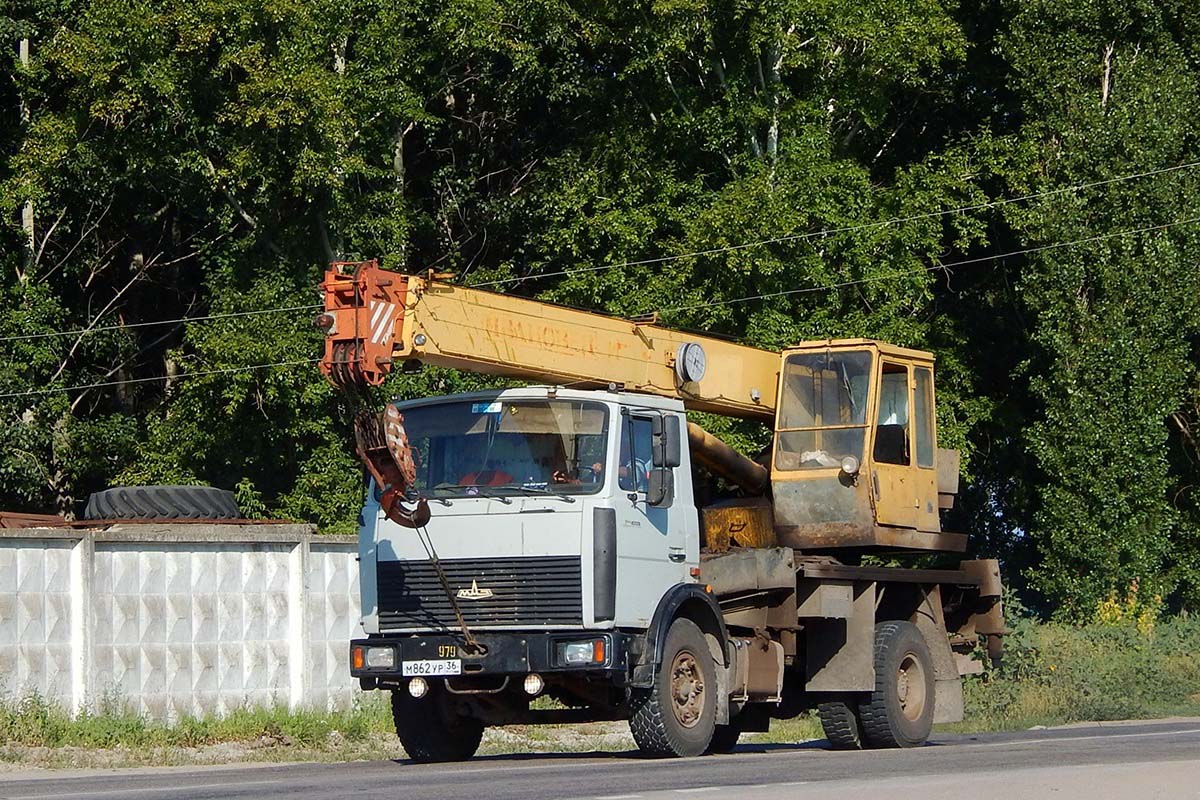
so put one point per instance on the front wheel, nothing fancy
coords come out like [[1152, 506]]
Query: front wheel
[[676, 716], [899, 713], [430, 730]]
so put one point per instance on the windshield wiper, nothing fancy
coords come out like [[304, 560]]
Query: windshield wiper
[[480, 491], [849, 391], [538, 491]]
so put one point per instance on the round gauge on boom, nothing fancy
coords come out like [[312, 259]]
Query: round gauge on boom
[[690, 362]]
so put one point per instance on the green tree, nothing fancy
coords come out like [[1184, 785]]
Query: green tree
[[1107, 89]]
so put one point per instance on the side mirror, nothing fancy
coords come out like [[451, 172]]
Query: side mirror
[[660, 492], [666, 445]]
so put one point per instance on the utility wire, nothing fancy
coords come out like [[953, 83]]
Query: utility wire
[[661, 259], [933, 268], [749, 298], [84, 331], [225, 371], [849, 228]]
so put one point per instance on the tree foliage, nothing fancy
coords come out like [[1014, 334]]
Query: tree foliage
[[207, 158]]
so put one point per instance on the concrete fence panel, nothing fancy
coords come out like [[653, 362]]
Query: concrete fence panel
[[178, 619]]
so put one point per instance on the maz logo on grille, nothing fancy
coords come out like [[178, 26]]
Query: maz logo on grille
[[474, 593]]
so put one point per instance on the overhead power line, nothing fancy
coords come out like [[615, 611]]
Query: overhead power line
[[730, 301], [933, 268], [201, 373], [648, 261], [846, 229], [98, 329]]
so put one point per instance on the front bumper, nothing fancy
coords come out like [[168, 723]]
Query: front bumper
[[509, 653]]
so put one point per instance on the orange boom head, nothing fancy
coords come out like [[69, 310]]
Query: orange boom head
[[363, 308]]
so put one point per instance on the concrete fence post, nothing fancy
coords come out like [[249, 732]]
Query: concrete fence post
[[83, 603], [298, 668]]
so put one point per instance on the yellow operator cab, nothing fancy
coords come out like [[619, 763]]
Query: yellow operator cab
[[855, 461]]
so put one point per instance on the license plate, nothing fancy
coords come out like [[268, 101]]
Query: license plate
[[434, 667]]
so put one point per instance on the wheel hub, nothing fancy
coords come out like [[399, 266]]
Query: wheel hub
[[910, 686], [687, 689]]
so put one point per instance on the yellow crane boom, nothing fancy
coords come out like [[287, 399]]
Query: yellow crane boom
[[375, 319]]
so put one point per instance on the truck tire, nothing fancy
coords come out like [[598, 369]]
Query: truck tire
[[430, 730], [725, 738], [899, 713], [843, 728], [677, 715], [162, 502]]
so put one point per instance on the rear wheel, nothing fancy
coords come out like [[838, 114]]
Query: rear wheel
[[430, 730], [839, 720], [899, 713], [676, 716]]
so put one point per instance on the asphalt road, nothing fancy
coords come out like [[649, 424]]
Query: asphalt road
[[1142, 761]]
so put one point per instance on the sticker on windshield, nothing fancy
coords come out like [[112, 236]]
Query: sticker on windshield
[[487, 408]]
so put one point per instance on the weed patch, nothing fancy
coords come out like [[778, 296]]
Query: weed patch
[[1114, 668]]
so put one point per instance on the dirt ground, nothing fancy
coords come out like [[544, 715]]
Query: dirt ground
[[594, 737]]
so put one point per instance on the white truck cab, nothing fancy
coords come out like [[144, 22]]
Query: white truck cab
[[543, 514]]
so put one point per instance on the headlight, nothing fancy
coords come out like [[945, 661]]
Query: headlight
[[381, 658], [573, 654], [374, 658]]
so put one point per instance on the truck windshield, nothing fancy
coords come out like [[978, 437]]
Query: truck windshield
[[823, 411], [508, 447]]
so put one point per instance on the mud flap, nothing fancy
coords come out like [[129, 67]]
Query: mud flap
[[947, 700]]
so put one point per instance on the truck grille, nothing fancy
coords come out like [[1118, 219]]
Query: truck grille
[[541, 590]]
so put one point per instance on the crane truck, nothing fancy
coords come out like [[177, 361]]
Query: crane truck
[[580, 539]]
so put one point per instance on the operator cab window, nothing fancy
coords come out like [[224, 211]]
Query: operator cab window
[[891, 430], [923, 416], [633, 466], [823, 411]]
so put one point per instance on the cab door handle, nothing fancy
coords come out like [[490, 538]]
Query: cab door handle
[[677, 554]]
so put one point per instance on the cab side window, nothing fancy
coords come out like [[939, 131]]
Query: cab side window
[[923, 416], [891, 430], [633, 468]]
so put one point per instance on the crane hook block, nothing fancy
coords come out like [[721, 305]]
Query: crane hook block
[[382, 446]]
